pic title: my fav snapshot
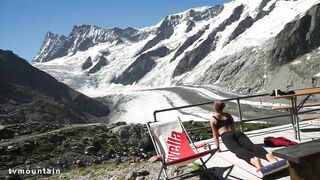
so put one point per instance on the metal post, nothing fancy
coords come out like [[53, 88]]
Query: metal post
[[293, 119], [152, 139], [297, 120], [155, 116], [165, 172], [240, 116]]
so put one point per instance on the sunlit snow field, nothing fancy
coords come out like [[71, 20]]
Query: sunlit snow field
[[137, 104]]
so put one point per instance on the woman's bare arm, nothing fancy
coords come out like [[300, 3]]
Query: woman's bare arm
[[215, 133]]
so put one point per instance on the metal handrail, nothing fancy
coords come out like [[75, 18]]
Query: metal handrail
[[205, 103], [239, 109]]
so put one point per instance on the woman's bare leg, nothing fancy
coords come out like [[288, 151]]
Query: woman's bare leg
[[257, 163], [271, 158]]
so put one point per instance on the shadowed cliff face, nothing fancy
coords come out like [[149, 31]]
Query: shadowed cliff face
[[141, 66], [297, 38], [28, 94]]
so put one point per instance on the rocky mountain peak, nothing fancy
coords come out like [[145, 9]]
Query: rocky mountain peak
[[89, 30], [194, 14], [82, 38], [51, 35], [50, 46], [205, 13]]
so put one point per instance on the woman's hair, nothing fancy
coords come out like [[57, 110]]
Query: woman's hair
[[218, 106]]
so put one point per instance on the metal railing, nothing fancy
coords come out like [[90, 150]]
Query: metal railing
[[237, 99]]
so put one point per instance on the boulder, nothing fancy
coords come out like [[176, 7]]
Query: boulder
[[6, 133], [90, 150], [132, 175]]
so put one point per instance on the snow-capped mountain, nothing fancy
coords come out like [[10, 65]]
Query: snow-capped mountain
[[243, 45], [82, 38]]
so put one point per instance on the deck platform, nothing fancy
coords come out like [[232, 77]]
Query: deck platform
[[310, 130]]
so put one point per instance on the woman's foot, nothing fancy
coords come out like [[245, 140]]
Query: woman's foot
[[257, 163], [271, 158]]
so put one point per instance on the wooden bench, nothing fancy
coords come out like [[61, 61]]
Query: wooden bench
[[288, 107], [304, 160], [305, 117]]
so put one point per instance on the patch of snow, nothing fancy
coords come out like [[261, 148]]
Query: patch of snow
[[296, 62], [267, 7]]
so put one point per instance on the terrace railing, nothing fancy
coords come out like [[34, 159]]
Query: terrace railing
[[238, 100]]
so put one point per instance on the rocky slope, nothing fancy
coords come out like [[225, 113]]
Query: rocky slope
[[115, 150], [47, 145], [242, 45], [31, 95]]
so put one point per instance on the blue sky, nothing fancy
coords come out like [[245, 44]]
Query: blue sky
[[24, 23]]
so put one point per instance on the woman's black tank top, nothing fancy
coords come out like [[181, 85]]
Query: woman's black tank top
[[221, 123]]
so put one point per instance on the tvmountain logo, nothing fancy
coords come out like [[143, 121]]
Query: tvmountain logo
[[43, 171]]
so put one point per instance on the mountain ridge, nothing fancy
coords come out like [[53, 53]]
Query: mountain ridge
[[31, 95], [185, 46]]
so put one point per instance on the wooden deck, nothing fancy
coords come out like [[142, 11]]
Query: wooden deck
[[310, 130]]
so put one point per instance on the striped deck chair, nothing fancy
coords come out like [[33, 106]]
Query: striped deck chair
[[174, 146]]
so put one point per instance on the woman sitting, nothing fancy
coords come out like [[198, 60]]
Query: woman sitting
[[222, 124]]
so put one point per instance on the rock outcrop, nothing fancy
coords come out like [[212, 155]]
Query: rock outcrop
[[141, 66], [297, 38]]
